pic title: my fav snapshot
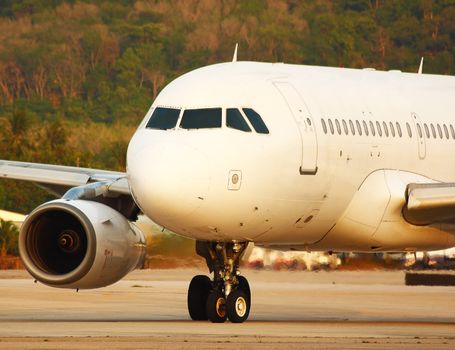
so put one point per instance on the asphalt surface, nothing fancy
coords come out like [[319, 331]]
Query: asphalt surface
[[327, 310]]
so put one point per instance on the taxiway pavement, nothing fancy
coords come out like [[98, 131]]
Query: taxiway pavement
[[330, 310]]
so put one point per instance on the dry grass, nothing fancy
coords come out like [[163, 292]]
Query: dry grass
[[9, 262]]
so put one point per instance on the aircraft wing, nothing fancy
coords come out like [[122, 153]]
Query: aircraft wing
[[427, 203], [58, 179]]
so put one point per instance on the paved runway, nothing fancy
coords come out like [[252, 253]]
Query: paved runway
[[330, 310]]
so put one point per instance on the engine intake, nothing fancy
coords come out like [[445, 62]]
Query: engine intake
[[79, 244]]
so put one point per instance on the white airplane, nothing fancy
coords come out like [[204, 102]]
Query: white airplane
[[286, 156]]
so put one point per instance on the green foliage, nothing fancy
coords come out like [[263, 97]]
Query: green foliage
[[107, 60], [9, 237]]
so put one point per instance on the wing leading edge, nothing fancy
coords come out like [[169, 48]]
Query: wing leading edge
[[108, 187], [427, 203], [58, 178]]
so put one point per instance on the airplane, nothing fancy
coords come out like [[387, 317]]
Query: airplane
[[290, 157]]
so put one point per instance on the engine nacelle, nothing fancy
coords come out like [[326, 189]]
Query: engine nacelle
[[79, 244]]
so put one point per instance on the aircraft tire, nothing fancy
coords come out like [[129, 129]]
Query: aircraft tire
[[198, 292], [216, 307], [245, 286], [237, 306]]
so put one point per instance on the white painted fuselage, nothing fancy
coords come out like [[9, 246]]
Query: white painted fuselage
[[313, 182]]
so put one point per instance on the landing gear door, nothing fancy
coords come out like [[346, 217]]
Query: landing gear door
[[305, 125]]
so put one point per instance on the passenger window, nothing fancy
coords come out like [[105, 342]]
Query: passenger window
[[433, 130], [324, 126], [234, 120], [163, 118], [446, 131], [256, 120], [359, 127], [337, 123], [439, 130], [452, 131], [392, 129], [345, 126], [408, 127], [331, 126], [399, 129], [427, 131], [379, 129], [373, 132], [204, 118], [419, 130], [386, 131], [365, 127], [351, 125]]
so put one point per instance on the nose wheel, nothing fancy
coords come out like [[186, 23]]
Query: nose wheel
[[198, 293], [228, 296], [237, 306], [216, 307]]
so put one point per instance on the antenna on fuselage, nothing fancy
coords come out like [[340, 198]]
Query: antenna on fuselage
[[234, 58], [421, 66]]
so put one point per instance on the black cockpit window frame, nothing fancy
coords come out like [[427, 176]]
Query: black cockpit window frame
[[163, 118], [235, 120], [256, 121], [201, 118]]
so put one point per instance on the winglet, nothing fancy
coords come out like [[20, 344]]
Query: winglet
[[234, 58], [421, 66]]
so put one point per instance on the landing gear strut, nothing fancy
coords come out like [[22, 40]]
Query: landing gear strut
[[228, 296]]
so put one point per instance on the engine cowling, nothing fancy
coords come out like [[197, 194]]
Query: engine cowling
[[79, 244]]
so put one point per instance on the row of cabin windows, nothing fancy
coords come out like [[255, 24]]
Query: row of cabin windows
[[386, 129], [206, 118], [441, 131], [362, 127]]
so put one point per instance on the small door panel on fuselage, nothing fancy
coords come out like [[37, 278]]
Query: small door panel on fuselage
[[305, 124]]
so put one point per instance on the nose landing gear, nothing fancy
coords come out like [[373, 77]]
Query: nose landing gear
[[228, 296]]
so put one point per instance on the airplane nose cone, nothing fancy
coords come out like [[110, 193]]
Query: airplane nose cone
[[169, 181]]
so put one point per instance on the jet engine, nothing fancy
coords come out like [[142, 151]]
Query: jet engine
[[79, 244]]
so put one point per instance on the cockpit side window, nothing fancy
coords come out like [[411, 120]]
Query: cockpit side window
[[235, 120], [163, 118], [256, 120], [204, 118]]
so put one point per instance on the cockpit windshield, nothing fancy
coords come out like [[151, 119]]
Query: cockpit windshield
[[256, 120], [163, 118], [205, 118], [244, 119], [235, 120]]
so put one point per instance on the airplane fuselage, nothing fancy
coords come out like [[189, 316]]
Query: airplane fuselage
[[330, 173]]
